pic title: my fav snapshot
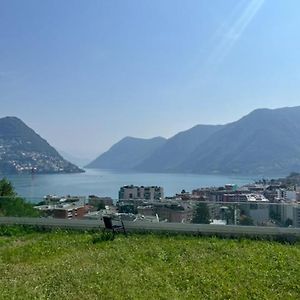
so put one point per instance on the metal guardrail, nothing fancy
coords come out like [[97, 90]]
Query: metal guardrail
[[205, 229]]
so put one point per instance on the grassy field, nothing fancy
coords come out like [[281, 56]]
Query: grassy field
[[68, 265]]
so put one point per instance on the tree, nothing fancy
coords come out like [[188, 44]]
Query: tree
[[6, 188], [12, 205], [201, 214]]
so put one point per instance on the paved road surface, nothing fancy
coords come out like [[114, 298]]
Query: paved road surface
[[169, 227]]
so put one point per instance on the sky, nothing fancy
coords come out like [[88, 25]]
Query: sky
[[84, 74]]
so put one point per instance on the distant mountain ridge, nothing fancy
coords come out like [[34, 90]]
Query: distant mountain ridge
[[177, 148], [127, 153], [266, 141], [24, 151]]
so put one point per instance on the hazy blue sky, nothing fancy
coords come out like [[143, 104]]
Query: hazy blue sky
[[84, 74]]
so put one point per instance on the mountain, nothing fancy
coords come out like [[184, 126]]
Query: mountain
[[24, 151], [127, 153], [176, 149], [264, 142]]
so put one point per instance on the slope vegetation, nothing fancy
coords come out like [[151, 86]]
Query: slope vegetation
[[127, 153], [23, 150], [65, 265], [177, 149], [265, 141]]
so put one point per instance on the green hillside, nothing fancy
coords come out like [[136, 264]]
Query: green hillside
[[62, 265], [127, 153], [177, 148], [23, 151], [266, 141]]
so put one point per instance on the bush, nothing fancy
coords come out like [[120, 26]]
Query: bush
[[13, 206], [17, 230]]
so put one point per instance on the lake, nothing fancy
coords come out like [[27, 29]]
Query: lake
[[108, 183]]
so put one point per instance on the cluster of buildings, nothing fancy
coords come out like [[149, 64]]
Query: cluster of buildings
[[150, 202], [73, 207], [19, 156], [253, 204], [264, 204]]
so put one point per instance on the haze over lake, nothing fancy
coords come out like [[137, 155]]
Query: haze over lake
[[107, 183]]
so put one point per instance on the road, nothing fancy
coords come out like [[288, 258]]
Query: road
[[159, 227]]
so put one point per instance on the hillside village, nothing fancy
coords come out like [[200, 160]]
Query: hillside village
[[24, 151]]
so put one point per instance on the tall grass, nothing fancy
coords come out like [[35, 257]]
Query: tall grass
[[88, 265]]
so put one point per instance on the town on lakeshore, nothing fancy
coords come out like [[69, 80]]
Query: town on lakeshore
[[263, 203]]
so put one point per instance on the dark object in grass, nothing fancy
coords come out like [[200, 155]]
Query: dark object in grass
[[112, 227]]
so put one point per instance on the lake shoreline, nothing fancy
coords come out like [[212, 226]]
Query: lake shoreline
[[108, 182]]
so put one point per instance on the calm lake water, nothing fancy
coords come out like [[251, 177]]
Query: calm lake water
[[107, 183]]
